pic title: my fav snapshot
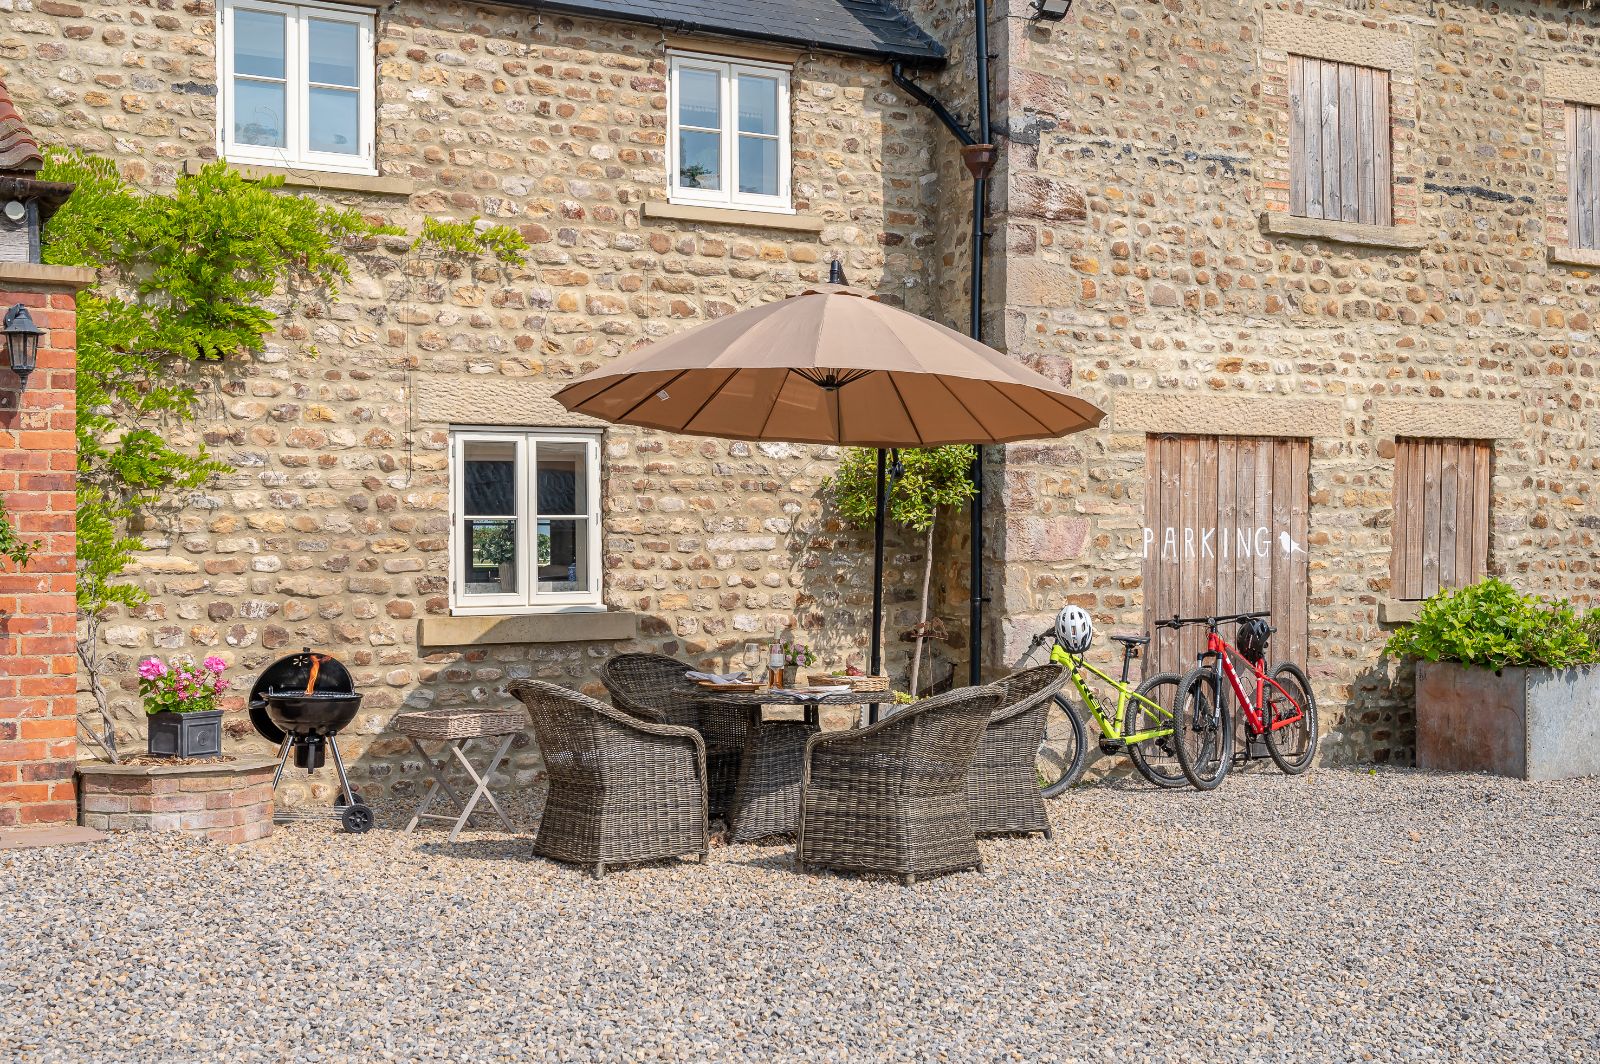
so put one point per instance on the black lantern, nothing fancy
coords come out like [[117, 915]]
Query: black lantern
[[22, 341]]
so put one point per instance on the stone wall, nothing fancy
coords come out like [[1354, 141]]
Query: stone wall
[[38, 663], [1145, 145], [332, 531]]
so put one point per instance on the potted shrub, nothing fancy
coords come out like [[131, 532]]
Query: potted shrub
[[1506, 683], [180, 703]]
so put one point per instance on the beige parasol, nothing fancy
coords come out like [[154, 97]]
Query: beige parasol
[[831, 365]]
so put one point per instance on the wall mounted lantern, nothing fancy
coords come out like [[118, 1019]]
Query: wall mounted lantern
[[22, 342], [1051, 10]]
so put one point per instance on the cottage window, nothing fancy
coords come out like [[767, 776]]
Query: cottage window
[[525, 520], [1339, 167], [297, 85], [728, 141], [1441, 516], [1583, 182]]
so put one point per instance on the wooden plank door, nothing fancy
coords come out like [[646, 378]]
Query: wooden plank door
[[1227, 522]]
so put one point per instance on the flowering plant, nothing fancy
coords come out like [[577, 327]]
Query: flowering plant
[[797, 654], [181, 686]]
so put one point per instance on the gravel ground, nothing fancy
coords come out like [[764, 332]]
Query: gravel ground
[[1344, 916]]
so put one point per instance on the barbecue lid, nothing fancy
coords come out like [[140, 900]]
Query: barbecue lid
[[290, 674]]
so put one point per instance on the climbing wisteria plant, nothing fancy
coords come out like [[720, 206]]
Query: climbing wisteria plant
[[184, 276]]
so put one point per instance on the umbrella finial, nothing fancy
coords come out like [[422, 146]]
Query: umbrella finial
[[836, 273]]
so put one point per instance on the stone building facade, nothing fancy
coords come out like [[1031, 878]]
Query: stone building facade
[[1143, 253]]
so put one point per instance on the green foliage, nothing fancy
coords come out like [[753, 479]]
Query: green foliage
[[1490, 625], [12, 545], [933, 477], [796, 654], [471, 238]]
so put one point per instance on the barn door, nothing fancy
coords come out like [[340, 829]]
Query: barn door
[[1225, 532]]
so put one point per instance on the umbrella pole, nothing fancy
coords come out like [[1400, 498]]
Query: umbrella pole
[[877, 571]]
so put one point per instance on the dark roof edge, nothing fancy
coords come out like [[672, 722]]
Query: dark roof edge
[[910, 58]]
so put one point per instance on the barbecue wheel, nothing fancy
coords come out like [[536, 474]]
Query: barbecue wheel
[[357, 819], [355, 798]]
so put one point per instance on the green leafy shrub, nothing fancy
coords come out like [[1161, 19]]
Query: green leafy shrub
[[1490, 625]]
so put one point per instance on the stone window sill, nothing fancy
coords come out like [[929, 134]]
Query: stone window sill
[[1589, 257], [684, 212], [318, 179], [1393, 611], [594, 626], [33, 273], [1389, 237]]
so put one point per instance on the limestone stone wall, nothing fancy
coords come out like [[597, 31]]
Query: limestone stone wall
[[1145, 145], [332, 530]]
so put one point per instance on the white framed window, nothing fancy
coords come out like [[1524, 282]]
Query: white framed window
[[297, 85], [524, 520], [728, 134]]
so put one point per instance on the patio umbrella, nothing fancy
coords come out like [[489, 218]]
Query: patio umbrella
[[832, 365]]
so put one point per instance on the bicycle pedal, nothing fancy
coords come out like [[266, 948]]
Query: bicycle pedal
[[1110, 747]]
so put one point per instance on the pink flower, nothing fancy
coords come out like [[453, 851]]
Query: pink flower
[[184, 694], [221, 685], [152, 669], [215, 664]]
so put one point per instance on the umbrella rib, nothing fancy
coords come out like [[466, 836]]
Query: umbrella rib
[[714, 393], [910, 418], [995, 388], [664, 387], [775, 397]]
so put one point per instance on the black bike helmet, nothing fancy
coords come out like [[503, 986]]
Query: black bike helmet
[[1253, 636]]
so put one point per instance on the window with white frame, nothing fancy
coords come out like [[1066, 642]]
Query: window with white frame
[[728, 141], [297, 85], [524, 519]]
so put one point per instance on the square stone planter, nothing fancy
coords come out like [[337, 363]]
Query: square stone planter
[[1533, 724], [184, 734], [220, 801]]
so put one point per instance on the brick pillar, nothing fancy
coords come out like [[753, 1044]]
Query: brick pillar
[[38, 614]]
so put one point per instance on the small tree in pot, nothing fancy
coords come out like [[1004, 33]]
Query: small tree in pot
[[1506, 683], [180, 699]]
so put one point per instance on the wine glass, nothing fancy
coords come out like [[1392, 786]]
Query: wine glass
[[752, 657]]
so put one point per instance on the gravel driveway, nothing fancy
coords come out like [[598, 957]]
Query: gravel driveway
[[1345, 916]]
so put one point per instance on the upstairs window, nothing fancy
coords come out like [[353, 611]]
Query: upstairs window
[[525, 520], [1583, 176], [1441, 516], [728, 136], [297, 85], [1339, 167]]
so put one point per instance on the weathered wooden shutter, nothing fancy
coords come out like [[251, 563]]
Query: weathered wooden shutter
[[1583, 176], [1339, 142], [1226, 531], [1441, 516]]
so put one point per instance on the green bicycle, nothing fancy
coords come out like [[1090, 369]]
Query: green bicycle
[[1140, 726]]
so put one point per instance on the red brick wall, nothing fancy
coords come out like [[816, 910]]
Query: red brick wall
[[38, 668]]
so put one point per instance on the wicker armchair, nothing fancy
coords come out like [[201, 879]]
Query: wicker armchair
[[622, 790], [653, 687], [891, 797], [1003, 786]]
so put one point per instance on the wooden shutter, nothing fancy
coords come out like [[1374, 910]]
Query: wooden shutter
[[1226, 531], [1339, 142], [1583, 176], [1441, 516]]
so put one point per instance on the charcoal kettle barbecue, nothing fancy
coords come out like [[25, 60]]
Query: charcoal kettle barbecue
[[301, 702]]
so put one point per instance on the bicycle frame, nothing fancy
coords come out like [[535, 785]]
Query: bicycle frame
[[1224, 653], [1110, 727]]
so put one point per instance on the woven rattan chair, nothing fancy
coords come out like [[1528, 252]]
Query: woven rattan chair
[[622, 790], [653, 687], [891, 797], [1003, 786]]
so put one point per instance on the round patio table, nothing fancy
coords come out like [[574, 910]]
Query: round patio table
[[766, 798]]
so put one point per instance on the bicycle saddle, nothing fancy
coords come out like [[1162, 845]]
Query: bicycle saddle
[[1132, 640]]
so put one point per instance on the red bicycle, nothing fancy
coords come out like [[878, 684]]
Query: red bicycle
[[1281, 719]]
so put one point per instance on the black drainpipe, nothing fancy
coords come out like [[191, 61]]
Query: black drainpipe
[[978, 154]]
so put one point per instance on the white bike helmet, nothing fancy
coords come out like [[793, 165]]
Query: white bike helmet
[[1074, 630]]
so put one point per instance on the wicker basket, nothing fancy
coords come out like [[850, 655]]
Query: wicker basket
[[858, 684]]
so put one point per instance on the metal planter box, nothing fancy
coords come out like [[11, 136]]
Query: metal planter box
[[1533, 724], [185, 734]]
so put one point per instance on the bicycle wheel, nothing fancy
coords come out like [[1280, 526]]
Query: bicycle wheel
[[1155, 758], [1062, 752], [1294, 745], [1203, 731]]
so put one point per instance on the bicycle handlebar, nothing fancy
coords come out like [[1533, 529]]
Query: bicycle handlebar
[[1179, 622]]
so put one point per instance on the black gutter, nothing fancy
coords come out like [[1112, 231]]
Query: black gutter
[[978, 155], [678, 24]]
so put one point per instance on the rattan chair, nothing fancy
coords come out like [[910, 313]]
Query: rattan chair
[[653, 686], [891, 797], [622, 790], [1003, 787]]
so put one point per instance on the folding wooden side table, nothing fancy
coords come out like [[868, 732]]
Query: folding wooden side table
[[457, 728]]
